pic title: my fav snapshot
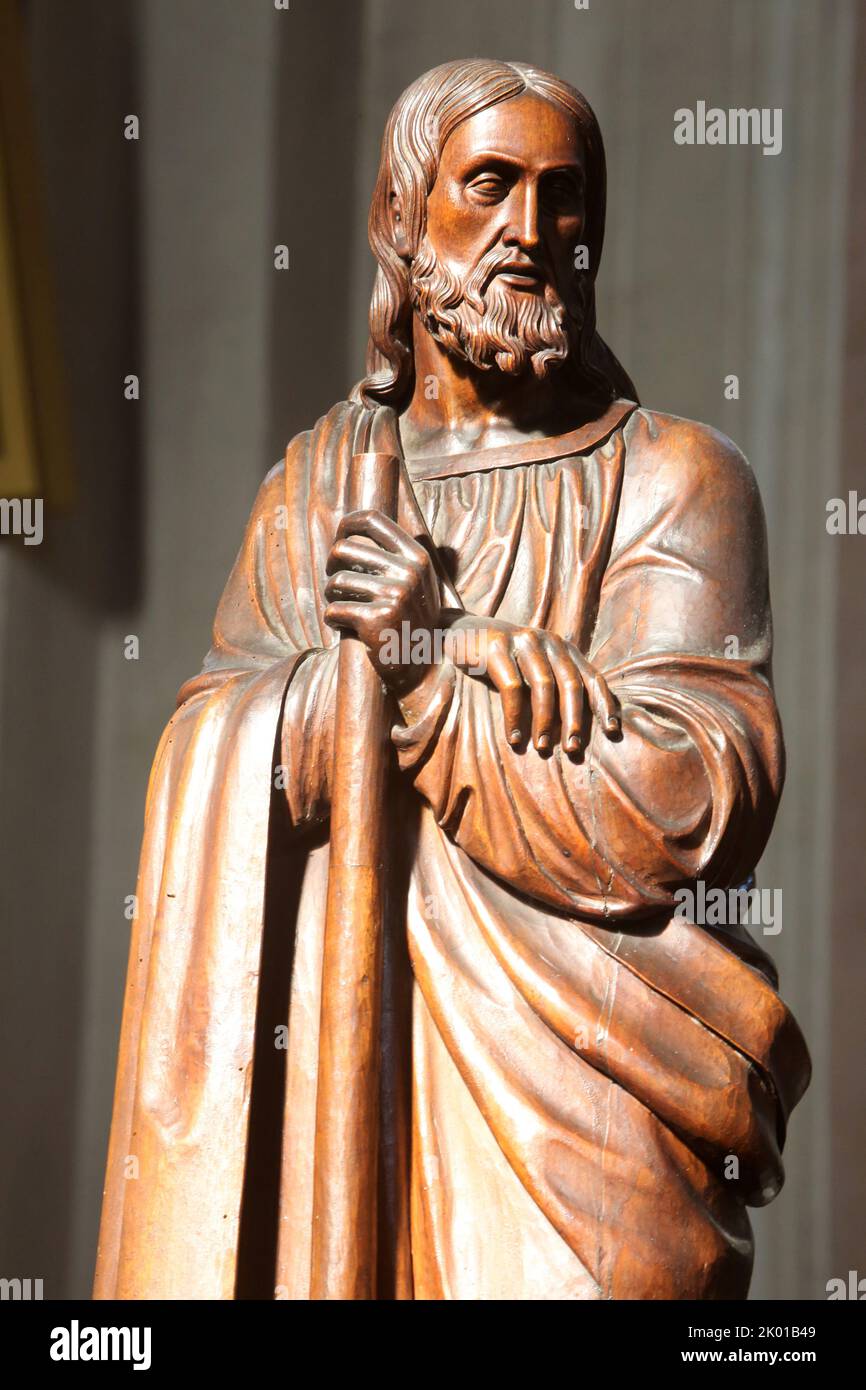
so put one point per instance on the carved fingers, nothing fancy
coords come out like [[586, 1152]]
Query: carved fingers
[[383, 532], [382, 586], [380, 579], [564, 689]]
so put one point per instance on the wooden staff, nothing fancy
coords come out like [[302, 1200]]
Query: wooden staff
[[347, 1103]]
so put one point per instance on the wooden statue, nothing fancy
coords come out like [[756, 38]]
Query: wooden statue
[[412, 1008]]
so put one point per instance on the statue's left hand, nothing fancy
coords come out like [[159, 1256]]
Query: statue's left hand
[[380, 579]]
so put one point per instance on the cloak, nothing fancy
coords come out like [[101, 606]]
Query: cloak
[[582, 1092]]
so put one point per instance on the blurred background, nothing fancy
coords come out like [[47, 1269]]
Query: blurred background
[[260, 126]]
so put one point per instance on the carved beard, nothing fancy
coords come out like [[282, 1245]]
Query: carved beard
[[485, 321]]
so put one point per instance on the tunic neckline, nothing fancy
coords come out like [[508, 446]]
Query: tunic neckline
[[578, 441]]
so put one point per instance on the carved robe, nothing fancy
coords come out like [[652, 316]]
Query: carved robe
[[581, 1092]]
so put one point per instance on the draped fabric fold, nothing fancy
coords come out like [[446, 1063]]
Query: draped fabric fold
[[598, 1088]]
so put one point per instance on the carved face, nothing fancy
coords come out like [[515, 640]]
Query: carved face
[[495, 273]]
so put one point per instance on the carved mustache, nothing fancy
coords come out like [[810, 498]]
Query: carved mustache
[[495, 260]]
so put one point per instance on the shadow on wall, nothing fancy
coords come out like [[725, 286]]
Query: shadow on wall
[[56, 597], [311, 362]]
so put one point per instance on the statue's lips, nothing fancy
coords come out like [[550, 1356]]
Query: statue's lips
[[521, 276]]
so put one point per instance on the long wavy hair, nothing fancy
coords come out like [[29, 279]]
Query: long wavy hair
[[421, 121]]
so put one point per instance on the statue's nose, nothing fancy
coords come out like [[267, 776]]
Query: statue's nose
[[523, 227]]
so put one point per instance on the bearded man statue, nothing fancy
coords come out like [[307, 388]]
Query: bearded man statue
[[581, 1090]]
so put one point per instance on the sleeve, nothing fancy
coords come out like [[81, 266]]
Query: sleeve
[[683, 636], [267, 629]]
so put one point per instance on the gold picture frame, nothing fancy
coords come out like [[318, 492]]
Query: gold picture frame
[[35, 455]]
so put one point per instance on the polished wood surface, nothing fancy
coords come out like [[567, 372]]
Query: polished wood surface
[[347, 1106], [490, 686]]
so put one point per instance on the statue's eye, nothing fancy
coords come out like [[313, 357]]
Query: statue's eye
[[561, 193], [487, 188]]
